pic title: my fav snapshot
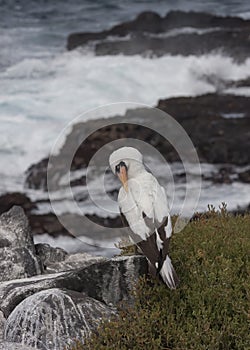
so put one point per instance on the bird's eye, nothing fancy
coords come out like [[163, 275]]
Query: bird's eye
[[117, 168]]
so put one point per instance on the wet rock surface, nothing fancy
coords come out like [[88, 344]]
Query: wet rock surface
[[153, 34], [212, 122], [217, 124], [54, 319]]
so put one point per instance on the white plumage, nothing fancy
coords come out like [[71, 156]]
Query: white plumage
[[143, 202]]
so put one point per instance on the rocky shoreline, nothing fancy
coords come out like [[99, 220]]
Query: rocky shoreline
[[217, 124], [49, 297], [176, 33]]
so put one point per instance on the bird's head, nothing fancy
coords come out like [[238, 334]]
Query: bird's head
[[126, 163]]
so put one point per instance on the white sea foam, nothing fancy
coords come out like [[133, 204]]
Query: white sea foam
[[44, 94], [39, 96], [235, 194]]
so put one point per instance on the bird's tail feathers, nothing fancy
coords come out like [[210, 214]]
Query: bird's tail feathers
[[168, 274]]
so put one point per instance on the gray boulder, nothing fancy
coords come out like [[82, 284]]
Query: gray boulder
[[14, 229], [109, 282], [49, 255], [17, 250], [18, 263], [74, 261], [58, 260], [54, 318]]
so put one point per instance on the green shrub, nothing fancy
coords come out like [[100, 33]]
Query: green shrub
[[209, 310]]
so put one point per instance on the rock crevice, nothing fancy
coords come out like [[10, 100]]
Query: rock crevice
[[49, 298]]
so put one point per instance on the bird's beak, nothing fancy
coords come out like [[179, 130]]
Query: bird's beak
[[123, 176]]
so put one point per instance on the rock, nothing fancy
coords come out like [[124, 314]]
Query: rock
[[8, 200], [49, 255], [142, 35], [244, 176], [54, 319], [211, 121], [15, 230], [231, 42], [39, 223], [75, 261], [151, 22], [224, 175], [18, 263], [33, 177], [109, 282], [217, 139], [58, 260], [17, 251], [46, 223]]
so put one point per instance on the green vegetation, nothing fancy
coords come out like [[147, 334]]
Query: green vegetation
[[209, 310]]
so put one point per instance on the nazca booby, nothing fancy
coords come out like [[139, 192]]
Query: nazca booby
[[144, 208]]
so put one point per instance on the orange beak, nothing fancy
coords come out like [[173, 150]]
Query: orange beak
[[123, 176]]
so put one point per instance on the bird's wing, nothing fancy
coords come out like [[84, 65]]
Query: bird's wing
[[146, 204], [133, 213], [146, 211]]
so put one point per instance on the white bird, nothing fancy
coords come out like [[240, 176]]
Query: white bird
[[143, 203]]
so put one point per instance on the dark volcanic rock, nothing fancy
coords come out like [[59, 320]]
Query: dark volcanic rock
[[33, 180], [231, 42], [244, 176], [217, 139], [230, 34], [15, 230], [151, 22], [55, 319], [225, 175], [46, 223], [106, 222], [109, 282], [211, 121], [8, 200], [17, 251]]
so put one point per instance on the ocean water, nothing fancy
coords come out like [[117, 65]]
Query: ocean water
[[43, 87]]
